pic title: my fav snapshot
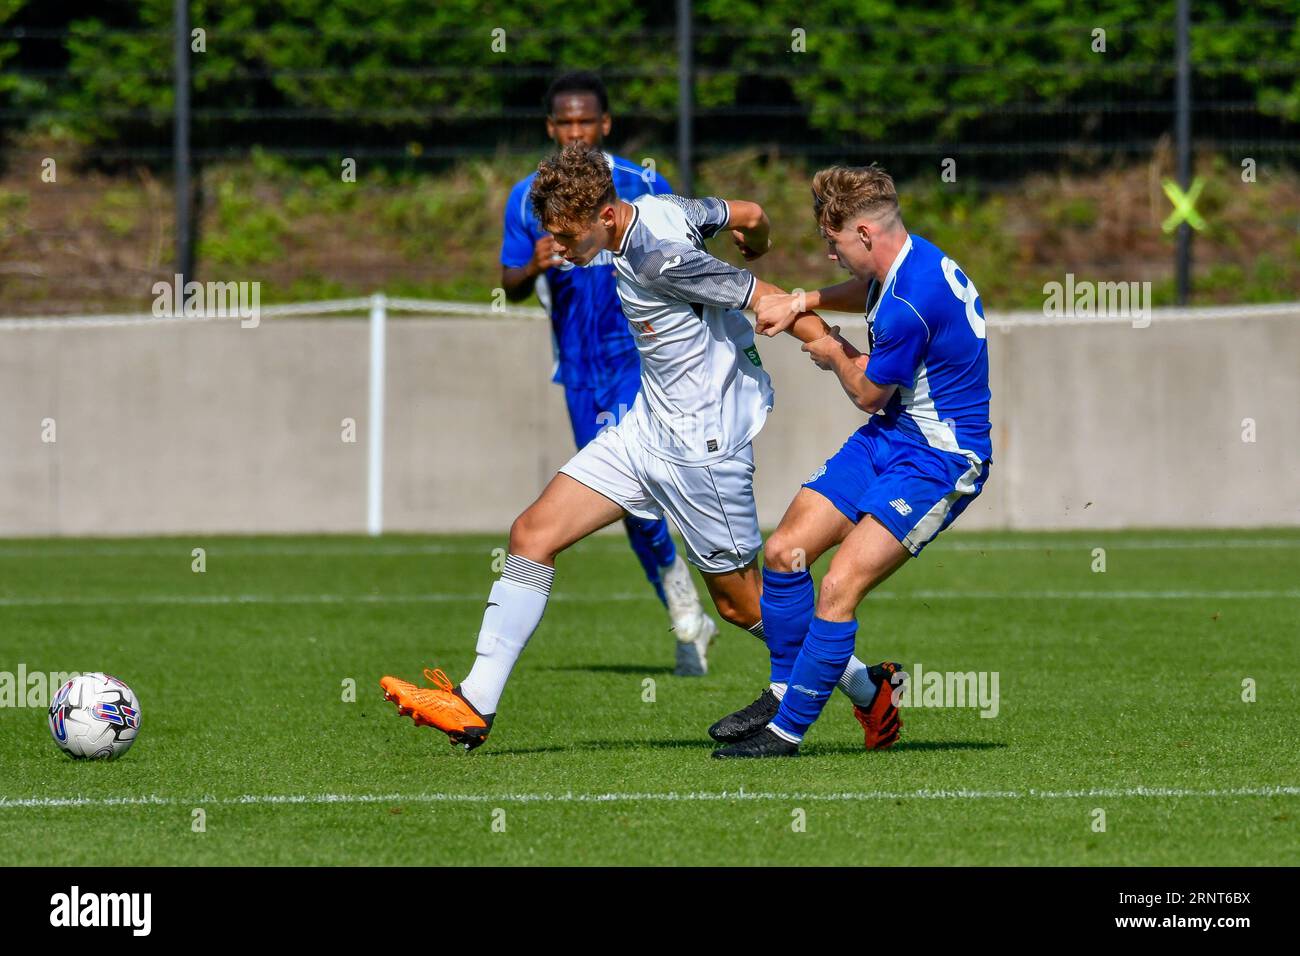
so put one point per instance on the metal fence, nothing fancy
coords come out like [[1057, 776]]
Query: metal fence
[[679, 89], [1124, 99]]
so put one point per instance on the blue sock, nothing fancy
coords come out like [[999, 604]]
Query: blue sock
[[817, 669], [787, 606], [654, 548]]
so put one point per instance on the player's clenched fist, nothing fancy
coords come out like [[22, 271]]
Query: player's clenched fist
[[830, 347], [544, 256], [751, 246], [776, 313]]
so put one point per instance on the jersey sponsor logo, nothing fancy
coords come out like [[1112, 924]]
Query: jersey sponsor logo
[[753, 356], [711, 444], [901, 506], [672, 263]]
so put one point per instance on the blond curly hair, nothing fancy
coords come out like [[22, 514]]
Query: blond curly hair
[[571, 187], [843, 193]]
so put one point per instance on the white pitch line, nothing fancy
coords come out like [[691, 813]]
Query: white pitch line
[[274, 799], [185, 600], [958, 543], [613, 544], [1180, 594], [331, 549]]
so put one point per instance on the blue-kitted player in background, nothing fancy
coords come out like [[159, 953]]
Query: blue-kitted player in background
[[596, 357]]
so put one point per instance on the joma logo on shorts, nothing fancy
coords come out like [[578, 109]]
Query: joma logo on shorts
[[901, 506]]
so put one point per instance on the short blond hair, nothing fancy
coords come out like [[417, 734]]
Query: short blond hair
[[843, 193], [572, 186]]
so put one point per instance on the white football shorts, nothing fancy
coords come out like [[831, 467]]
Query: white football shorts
[[711, 505]]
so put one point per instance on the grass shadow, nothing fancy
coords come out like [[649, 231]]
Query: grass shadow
[[635, 669], [694, 743], [703, 743], [905, 745]]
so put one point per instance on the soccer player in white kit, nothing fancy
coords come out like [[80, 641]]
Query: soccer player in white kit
[[682, 451]]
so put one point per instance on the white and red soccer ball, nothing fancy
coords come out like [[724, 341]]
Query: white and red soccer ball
[[95, 717]]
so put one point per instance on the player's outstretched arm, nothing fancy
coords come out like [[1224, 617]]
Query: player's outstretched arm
[[833, 353], [848, 296], [805, 326], [775, 313]]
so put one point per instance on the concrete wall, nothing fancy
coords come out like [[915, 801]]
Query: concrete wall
[[173, 427]]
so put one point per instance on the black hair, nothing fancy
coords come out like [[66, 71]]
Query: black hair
[[581, 81]]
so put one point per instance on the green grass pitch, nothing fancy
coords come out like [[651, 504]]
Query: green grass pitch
[[1120, 691]]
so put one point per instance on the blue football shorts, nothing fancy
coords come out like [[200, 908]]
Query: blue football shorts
[[912, 489]]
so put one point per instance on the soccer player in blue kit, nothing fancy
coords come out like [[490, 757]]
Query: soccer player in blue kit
[[596, 356], [897, 482]]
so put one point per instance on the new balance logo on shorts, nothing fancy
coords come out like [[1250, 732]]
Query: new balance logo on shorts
[[901, 506]]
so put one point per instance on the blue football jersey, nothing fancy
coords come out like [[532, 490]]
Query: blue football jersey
[[593, 344], [926, 328]]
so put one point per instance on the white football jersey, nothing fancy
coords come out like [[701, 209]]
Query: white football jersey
[[704, 392]]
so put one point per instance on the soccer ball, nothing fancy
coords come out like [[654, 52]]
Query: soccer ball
[[95, 717]]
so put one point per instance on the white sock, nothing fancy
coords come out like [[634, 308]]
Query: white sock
[[778, 690], [514, 610], [856, 682], [785, 734]]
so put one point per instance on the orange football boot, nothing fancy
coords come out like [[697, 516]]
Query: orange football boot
[[881, 721], [441, 707]]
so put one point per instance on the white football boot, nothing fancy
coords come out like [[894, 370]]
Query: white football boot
[[693, 628], [693, 655]]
